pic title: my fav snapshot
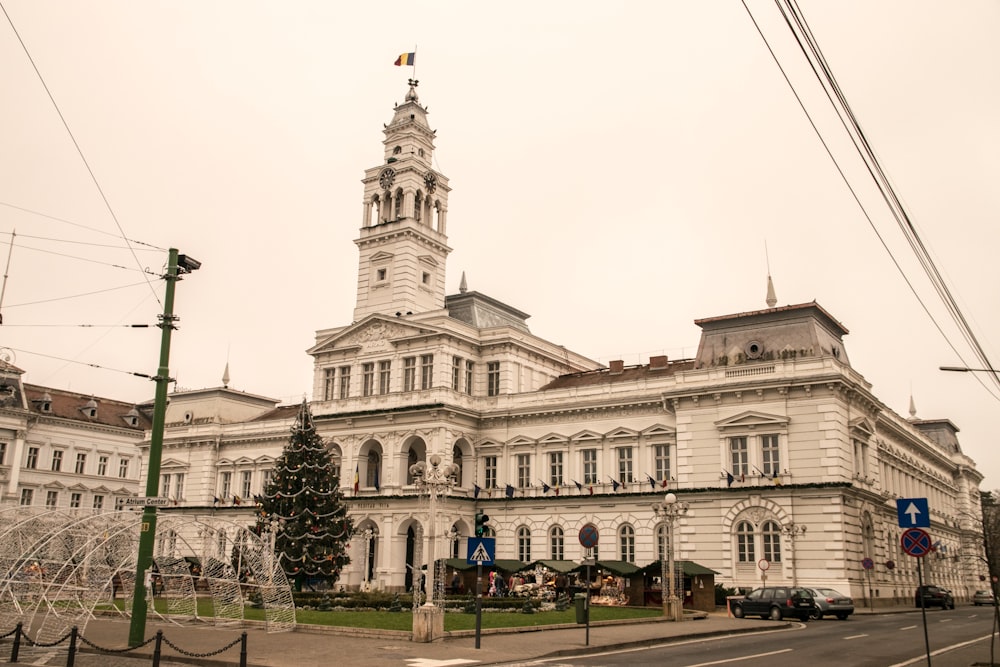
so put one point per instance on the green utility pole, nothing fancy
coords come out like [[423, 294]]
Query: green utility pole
[[177, 265]]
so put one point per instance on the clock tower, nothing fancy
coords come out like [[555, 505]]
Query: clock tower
[[403, 244]]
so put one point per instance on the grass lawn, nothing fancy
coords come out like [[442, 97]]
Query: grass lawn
[[403, 620]]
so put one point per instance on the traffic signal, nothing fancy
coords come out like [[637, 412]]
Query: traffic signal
[[481, 520]]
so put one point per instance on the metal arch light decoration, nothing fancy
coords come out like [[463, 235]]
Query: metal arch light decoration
[[669, 510], [433, 478]]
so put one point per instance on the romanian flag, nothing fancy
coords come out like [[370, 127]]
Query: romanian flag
[[357, 480], [406, 59]]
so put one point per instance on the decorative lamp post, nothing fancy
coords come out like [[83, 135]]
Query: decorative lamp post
[[792, 530], [434, 479], [272, 527], [368, 534], [669, 510]]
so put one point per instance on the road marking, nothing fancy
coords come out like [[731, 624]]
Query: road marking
[[908, 627], [744, 657], [943, 620], [855, 637], [924, 657], [428, 662]]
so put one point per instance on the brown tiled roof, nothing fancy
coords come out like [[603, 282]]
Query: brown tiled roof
[[280, 412], [628, 374], [71, 405]]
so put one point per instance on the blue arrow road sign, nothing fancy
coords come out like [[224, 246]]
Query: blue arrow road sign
[[481, 550], [913, 513]]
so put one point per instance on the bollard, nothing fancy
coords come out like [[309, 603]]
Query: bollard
[[71, 657], [243, 649], [156, 650], [17, 643]]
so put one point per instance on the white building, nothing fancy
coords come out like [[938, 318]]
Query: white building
[[778, 444]]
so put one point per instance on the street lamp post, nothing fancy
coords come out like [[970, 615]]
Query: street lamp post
[[669, 510], [793, 530], [432, 478]]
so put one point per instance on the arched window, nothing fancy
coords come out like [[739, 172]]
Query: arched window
[[372, 474], [456, 458], [770, 534], [626, 543], [397, 150], [744, 542], [418, 205], [557, 543], [398, 204], [662, 542], [411, 458], [524, 544]]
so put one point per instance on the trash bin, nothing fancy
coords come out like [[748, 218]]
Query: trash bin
[[580, 602]]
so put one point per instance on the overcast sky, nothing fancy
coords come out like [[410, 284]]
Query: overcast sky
[[617, 169]]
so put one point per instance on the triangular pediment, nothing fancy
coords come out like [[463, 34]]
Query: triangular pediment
[[586, 436], [751, 419], [659, 431], [862, 427], [553, 439], [375, 332], [521, 441], [429, 260], [382, 256], [489, 443], [173, 463], [623, 434]]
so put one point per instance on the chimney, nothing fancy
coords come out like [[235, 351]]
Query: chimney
[[658, 363], [616, 367]]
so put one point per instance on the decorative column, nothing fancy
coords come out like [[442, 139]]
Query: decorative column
[[434, 479], [670, 510]]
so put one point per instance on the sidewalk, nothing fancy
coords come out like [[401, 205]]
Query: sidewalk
[[344, 647]]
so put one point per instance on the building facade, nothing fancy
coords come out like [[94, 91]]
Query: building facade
[[780, 448]]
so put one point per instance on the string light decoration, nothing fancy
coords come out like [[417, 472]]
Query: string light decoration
[[304, 508]]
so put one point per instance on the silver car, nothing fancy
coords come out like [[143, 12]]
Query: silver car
[[982, 597], [829, 602]]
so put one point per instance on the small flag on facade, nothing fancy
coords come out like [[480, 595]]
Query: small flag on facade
[[614, 483], [729, 477], [652, 482], [546, 488], [579, 487], [475, 490], [510, 491], [406, 59], [357, 479]]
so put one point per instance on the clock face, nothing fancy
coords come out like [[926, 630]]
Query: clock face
[[430, 181], [386, 178]]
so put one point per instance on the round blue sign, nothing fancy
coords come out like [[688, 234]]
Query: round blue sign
[[916, 542], [588, 536]]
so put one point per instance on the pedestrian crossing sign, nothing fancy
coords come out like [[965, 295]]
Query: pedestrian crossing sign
[[482, 550]]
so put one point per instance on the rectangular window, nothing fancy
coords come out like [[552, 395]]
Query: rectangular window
[[771, 543], [557, 546], [524, 470], [589, 466], [384, 375], [625, 465], [367, 379], [102, 465], [51, 499], [75, 499], [469, 368], [3, 453], [556, 468], [165, 486], [57, 457], [491, 471], [493, 378], [268, 475], [769, 454], [98, 502], [32, 461], [329, 383], [738, 457], [123, 468], [744, 543], [225, 486], [456, 373], [409, 373], [426, 371], [345, 382], [245, 478], [27, 496], [661, 462], [81, 463], [179, 486], [524, 545]]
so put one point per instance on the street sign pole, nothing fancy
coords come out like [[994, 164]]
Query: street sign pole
[[923, 609], [479, 600]]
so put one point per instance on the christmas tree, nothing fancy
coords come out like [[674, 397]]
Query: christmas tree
[[303, 504]]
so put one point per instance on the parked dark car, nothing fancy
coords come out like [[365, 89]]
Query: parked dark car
[[831, 603], [775, 602], [933, 596], [982, 597]]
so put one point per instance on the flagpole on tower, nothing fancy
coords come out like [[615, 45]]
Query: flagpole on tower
[[414, 61]]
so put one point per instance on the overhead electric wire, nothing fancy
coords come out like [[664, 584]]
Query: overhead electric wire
[[851, 188], [72, 242], [83, 259], [82, 363], [79, 150], [133, 242], [73, 296], [888, 191]]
